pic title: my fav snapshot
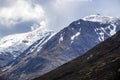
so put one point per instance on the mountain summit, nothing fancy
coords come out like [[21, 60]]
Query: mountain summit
[[101, 18]]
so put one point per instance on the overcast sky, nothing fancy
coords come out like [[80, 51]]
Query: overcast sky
[[17, 16]]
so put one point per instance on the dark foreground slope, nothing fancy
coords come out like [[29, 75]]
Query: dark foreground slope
[[100, 63]]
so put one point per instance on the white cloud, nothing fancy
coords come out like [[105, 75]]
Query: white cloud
[[21, 11], [63, 12]]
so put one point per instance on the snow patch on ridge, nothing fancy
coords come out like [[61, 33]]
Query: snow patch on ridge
[[74, 36], [61, 38], [109, 30], [113, 31]]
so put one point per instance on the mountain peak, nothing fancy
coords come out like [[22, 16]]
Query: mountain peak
[[100, 18]]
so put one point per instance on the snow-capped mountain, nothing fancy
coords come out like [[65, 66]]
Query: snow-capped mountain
[[69, 43], [13, 45]]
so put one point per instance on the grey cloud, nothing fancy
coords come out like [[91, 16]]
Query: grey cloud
[[6, 3], [19, 28]]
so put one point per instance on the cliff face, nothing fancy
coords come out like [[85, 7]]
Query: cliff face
[[100, 63]]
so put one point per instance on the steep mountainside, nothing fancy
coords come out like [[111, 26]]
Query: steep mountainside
[[100, 63], [69, 43], [13, 45]]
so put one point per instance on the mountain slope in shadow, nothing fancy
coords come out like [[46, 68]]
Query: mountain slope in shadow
[[100, 63]]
